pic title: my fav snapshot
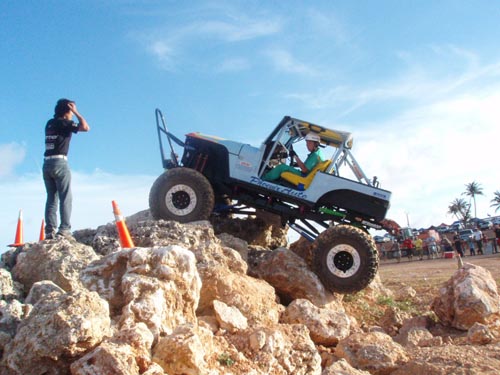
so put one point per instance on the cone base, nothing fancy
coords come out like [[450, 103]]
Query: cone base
[[16, 244]]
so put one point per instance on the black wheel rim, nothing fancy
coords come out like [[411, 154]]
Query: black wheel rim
[[181, 200], [343, 261]]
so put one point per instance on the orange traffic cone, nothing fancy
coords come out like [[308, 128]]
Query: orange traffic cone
[[42, 231], [125, 239], [19, 231]]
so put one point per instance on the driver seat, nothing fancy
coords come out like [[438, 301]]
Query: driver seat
[[307, 179]]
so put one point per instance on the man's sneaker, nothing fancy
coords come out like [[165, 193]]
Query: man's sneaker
[[66, 235], [50, 236]]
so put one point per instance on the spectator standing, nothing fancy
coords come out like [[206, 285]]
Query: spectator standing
[[478, 238], [472, 250], [458, 245], [431, 245], [419, 244], [56, 172], [408, 246], [497, 238], [396, 250]]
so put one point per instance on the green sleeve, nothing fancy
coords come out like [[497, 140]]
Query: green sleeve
[[312, 160]]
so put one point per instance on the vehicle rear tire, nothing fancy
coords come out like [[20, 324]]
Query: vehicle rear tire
[[181, 194], [345, 259]]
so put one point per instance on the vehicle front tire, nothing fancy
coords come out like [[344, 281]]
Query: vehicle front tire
[[181, 194], [345, 259]]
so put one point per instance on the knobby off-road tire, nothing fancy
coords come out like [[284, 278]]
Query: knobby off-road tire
[[181, 194], [345, 259]]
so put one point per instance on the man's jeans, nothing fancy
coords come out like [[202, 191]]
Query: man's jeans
[[57, 178]]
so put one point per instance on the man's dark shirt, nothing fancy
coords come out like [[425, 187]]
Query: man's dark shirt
[[58, 133]]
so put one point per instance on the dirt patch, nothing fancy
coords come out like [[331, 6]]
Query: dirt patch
[[455, 355], [430, 274]]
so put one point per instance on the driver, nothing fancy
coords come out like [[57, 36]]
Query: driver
[[315, 157]]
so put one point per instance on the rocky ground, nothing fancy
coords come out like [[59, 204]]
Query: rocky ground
[[227, 298]]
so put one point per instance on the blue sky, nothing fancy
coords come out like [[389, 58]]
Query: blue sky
[[416, 82]]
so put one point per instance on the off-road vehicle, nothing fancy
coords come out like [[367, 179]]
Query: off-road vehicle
[[335, 212]]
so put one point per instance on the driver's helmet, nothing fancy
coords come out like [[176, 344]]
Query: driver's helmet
[[312, 137]]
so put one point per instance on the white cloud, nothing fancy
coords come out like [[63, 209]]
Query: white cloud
[[11, 154], [171, 45], [92, 196], [234, 65], [444, 136], [427, 155], [235, 30], [284, 61]]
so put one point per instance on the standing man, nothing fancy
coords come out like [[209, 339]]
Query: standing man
[[419, 247], [458, 245], [497, 238], [478, 237], [56, 172]]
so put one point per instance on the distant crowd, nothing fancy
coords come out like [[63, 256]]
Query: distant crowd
[[445, 245]]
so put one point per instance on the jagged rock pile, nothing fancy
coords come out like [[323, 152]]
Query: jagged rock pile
[[186, 301]]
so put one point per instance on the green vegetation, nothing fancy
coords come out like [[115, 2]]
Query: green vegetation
[[226, 360], [406, 305], [471, 190], [461, 209], [495, 202]]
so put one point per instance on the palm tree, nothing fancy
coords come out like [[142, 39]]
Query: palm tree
[[471, 190], [460, 208], [496, 201]]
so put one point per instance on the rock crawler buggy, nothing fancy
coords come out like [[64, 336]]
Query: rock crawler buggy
[[334, 212]]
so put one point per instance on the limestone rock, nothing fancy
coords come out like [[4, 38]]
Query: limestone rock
[[184, 351], [326, 326], [415, 337], [304, 249], [414, 332], [126, 353], [41, 289], [59, 329], [281, 349], [263, 230], [342, 367], [229, 317], [405, 293], [393, 320], [221, 269], [9, 289], [376, 289], [241, 246], [374, 352], [159, 287], [479, 334], [109, 358], [11, 314], [59, 261], [254, 298], [289, 275], [469, 297]]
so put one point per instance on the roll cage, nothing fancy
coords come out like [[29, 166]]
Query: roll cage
[[291, 130]]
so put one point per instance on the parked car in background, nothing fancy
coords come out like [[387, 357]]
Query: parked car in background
[[456, 226], [484, 224], [380, 239], [465, 234], [442, 229]]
